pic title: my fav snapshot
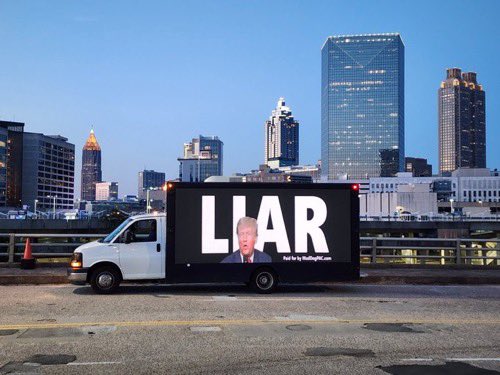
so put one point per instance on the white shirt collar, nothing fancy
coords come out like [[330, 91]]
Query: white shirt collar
[[242, 257]]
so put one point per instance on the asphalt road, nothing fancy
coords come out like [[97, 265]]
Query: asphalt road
[[335, 329]]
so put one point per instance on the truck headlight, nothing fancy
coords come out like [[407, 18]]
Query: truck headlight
[[76, 260]]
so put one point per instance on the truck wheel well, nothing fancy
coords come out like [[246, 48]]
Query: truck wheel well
[[264, 268], [103, 264], [264, 280]]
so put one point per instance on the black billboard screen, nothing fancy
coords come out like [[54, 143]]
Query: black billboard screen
[[262, 225]]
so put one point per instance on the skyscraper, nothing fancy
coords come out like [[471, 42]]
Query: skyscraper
[[462, 122], [362, 106], [48, 171], [418, 167], [4, 139], [106, 191], [11, 163], [149, 179], [203, 157], [91, 167], [282, 138]]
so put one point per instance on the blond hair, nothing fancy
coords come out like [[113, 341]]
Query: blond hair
[[247, 222]]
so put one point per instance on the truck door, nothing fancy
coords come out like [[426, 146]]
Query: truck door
[[142, 254]]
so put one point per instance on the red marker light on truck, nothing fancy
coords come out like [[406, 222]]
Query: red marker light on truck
[[355, 187]]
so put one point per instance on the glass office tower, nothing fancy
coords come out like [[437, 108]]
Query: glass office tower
[[362, 106]]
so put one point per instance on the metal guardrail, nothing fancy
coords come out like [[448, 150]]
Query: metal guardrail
[[44, 240], [373, 250], [438, 251], [434, 218]]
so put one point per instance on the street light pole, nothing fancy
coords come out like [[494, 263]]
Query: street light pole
[[54, 204], [165, 190], [55, 197], [147, 200], [481, 209], [36, 201]]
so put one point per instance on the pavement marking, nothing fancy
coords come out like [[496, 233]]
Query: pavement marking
[[224, 298], [91, 363], [260, 299], [304, 317], [474, 359], [205, 329], [452, 359], [169, 323]]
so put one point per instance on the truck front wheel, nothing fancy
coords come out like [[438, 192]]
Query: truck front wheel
[[264, 280], [105, 280]]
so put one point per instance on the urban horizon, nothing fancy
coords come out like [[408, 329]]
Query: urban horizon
[[249, 187], [310, 129]]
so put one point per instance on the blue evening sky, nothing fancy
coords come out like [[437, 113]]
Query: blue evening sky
[[151, 75]]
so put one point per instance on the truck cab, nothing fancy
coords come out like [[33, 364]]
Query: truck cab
[[135, 250]]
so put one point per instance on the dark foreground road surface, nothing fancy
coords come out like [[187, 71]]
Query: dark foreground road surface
[[340, 329]]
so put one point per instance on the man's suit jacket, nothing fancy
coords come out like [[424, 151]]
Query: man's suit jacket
[[258, 257]]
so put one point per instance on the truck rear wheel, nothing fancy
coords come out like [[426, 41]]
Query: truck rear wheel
[[105, 280], [264, 280]]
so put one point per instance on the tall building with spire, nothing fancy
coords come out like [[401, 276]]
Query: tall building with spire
[[91, 167], [282, 138], [462, 122]]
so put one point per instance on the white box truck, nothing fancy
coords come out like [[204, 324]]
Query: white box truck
[[254, 233]]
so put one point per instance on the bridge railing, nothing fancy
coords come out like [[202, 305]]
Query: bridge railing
[[424, 251], [373, 250], [44, 245], [433, 218]]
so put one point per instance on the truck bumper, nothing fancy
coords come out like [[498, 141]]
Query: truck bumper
[[77, 276]]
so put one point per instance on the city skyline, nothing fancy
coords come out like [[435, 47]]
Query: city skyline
[[143, 85]]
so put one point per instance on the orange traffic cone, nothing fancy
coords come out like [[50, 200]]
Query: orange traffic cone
[[28, 262]]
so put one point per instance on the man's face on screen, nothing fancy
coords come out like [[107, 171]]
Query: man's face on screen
[[247, 237]]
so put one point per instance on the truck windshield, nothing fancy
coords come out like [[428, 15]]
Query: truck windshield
[[118, 229]]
